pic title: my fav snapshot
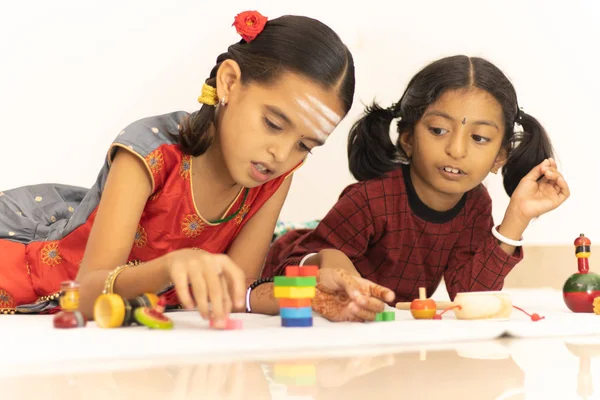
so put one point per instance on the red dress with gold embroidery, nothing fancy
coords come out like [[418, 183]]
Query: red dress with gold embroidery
[[44, 228]]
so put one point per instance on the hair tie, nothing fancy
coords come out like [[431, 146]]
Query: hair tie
[[208, 96], [520, 115], [395, 110]]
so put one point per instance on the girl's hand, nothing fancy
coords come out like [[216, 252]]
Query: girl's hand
[[343, 297], [210, 277], [543, 189]]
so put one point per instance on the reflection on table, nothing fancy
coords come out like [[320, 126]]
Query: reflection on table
[[502, 369]]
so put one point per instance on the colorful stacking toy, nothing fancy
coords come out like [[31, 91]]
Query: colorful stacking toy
[[580, 290], [295, 292]]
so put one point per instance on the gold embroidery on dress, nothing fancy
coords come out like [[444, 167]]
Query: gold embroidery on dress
[[141, 238], [51, 255], [7, 303], [155, 161], [185, 167], [192, 225], [50, 297]]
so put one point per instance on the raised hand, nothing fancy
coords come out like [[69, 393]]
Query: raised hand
[[543, 189]]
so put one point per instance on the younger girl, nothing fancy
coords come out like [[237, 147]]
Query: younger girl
[[192, 197], [420, 211]]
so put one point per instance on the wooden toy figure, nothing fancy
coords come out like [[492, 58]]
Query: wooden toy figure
[[580, 290], [69, 316]]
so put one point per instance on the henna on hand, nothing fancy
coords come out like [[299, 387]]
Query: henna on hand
[[342, 297], [332, 305]]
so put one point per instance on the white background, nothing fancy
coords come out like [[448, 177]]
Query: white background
[[74, 73]]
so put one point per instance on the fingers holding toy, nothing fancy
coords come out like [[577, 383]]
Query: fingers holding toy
[[210, 277]]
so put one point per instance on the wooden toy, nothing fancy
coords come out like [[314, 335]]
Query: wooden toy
[[69, 316], [152, 318], [307, 270], [295, 303], [303, 281], [113, 311], [230, 324], [296, 322], [295, 292], [596, 305], [581, 288], [472, 305], [385, 316], [423, 308]]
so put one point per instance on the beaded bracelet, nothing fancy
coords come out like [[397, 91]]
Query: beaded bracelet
[[253, 286]]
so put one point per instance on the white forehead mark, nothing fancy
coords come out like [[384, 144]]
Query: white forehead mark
[[317, 131], [326, 118], [321, 132], [326, 125], [326, 111]]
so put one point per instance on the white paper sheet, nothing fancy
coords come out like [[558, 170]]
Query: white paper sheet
[[32, 341]]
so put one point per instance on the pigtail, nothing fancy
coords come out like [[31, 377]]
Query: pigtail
[[529, 148], [371, 152], [198, 132]]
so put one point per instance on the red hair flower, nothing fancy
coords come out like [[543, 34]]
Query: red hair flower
[[249, 24]]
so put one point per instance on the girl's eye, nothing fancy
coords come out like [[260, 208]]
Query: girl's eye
[[438, 131], [271, 125], [480, 139], [304, 147]]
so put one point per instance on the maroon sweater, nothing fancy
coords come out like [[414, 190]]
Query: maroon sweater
[[395, 240]]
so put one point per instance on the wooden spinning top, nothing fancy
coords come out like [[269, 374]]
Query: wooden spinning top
[[423, 308], [580, 290]]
